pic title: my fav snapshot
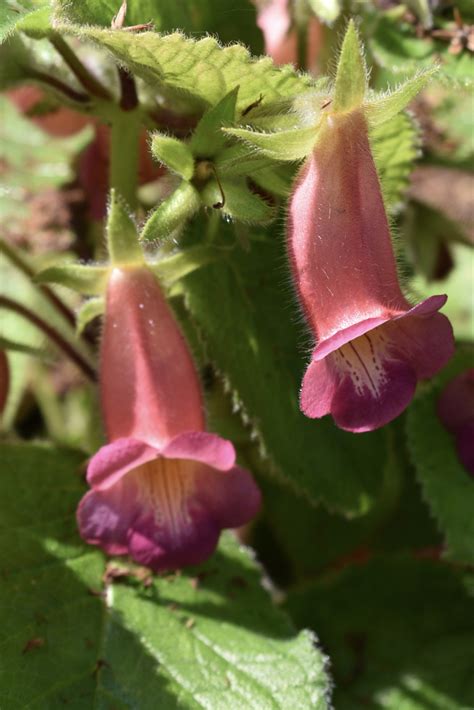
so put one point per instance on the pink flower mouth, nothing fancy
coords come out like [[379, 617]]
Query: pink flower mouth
[[366, 374], [166, 508]]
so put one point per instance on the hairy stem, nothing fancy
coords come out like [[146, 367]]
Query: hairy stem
[[88, 80], [60, 342], [124, 155]]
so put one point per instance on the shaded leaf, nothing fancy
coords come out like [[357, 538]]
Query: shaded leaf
[[399, 632], [447, 486]]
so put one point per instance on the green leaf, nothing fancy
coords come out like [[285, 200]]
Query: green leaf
[[395, 145], [351, 77], [206, 638], [246, 319], [207, 139], [16, 14], [83, 278], [312, 540], [399, 632], [173, 153], [232, 20], [383, 108], [202, 69], [447, 486], [294, 144]]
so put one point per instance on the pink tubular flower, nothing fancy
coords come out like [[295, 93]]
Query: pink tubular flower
[[372, 345], [163, 489], [456, 412]]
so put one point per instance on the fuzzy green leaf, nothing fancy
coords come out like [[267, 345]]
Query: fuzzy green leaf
[[173, 153], [447, 486], [206, 638], [202, 69], [232, 19], [395, 145], [20, 14], [399, 632], [208, 139], [351, 76]]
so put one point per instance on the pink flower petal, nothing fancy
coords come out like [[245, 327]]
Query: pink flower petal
[[368, 407], [168, 513], [232, 497], [114, 460], [318, 388], [427, 341], [201, 446], [104, 518]]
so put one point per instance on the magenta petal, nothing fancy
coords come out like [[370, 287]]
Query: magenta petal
[[203, 447], [160, 548], [114, 460], [357, 411], [427, 307], [317, 391], [456, 403], [427, 342], [104, 518], [465, 446], [232, 497]]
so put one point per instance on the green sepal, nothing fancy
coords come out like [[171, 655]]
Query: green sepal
[[88, 280], [121, 231], [282, 145], [383, 108], [173, 153], [172, 268], [239, 201], [89, 310], [208, 139], [239, 160], [276, 180], [351, 76], [172, 213]]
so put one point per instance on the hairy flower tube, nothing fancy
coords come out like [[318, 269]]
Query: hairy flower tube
[[456, 412], [163, 488], [371, 345]]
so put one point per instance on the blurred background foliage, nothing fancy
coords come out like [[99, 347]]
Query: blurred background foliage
[[371, 545]]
